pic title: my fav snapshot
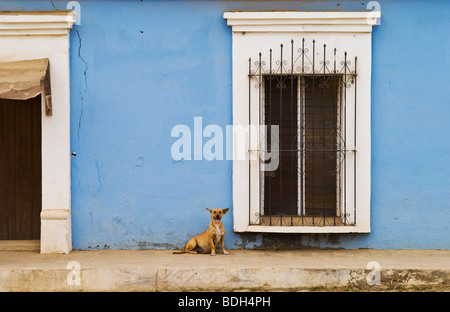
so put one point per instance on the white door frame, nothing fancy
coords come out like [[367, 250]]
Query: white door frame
[[36, 35]]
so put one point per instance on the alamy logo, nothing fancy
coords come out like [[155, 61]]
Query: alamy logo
[[75, 7], [374, 276], [74, 277], [231, 144], [373, 17]]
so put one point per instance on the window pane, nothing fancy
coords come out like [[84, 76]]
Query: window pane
[[280, 108], [320, 145]]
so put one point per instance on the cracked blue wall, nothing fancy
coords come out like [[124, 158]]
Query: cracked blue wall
[[140, 67]]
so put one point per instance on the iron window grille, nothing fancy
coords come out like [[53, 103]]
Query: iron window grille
[[306, 96]]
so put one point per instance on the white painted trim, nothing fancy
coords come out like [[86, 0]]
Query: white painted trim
[[306, 229], [329, 22], [35, 35], [43, 23], [254, 32]]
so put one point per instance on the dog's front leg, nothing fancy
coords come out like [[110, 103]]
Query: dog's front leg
[[213, 248], [222, 242]]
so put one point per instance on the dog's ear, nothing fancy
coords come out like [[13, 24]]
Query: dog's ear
[[225, 210], [209, 210]]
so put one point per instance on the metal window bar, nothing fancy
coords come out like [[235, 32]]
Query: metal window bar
[[299, 78]]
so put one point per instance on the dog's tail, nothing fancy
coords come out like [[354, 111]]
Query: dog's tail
[[182, 251]]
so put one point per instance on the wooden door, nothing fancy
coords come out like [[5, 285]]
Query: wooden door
[[20, 169]]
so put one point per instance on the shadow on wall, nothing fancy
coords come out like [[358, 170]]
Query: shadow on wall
[[283, 241]]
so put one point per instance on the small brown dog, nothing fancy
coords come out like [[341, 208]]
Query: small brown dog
[[209, 240]]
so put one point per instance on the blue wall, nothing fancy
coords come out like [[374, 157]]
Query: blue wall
[[140, 67]]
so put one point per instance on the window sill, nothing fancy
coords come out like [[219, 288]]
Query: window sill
[[304, 229]]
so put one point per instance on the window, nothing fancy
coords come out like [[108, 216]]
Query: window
[[308, 105], [303, 80]]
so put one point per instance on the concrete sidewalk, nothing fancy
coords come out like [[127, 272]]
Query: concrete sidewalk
[[244, 270]]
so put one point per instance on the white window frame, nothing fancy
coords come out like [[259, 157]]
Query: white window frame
[[253, 32], [36, 35]]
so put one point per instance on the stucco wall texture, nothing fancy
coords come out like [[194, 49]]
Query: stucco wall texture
[[138, 68]]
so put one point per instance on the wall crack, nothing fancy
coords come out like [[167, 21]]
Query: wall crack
[[82, 92]]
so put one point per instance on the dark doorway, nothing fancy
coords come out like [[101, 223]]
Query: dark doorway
[[20, 169]]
